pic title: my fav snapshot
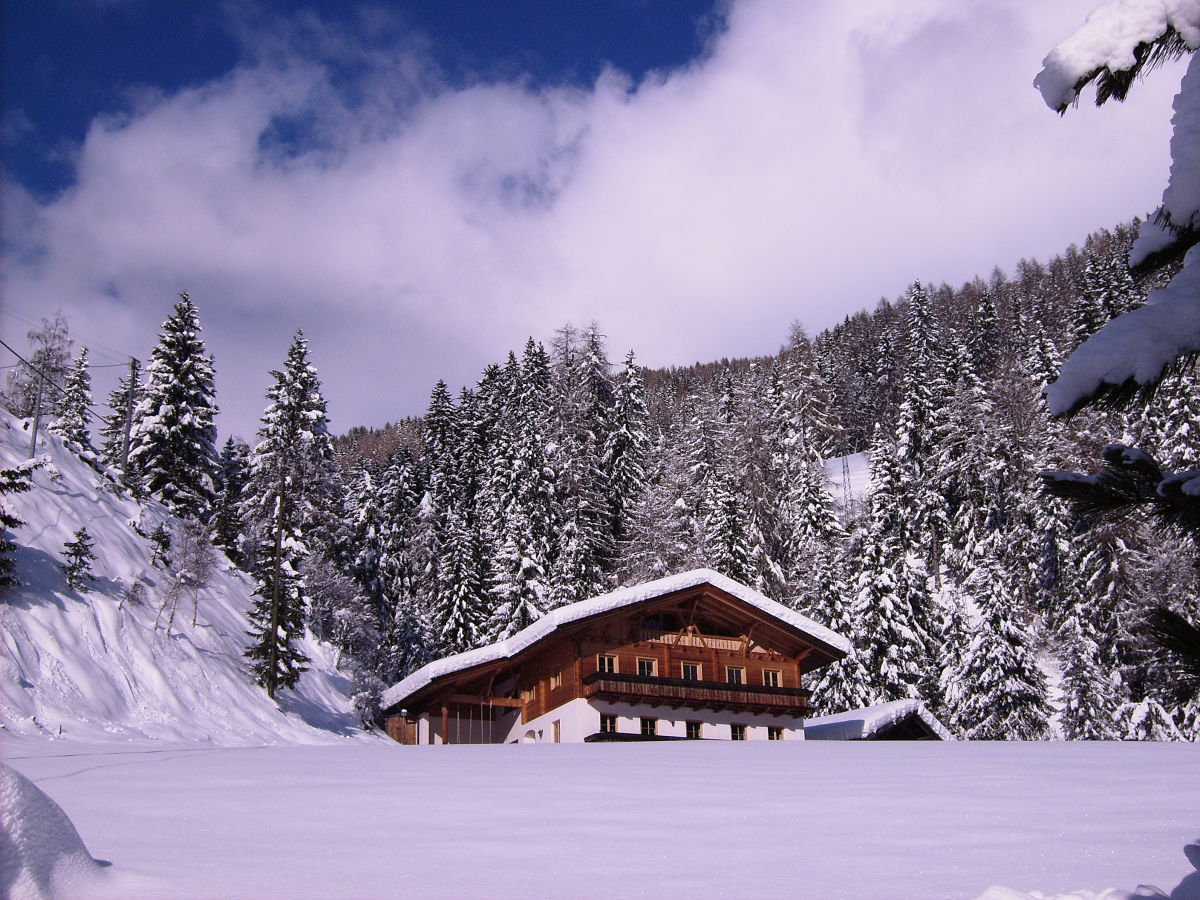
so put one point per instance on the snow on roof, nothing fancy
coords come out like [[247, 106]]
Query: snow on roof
[[1107, 40], [573, 612], [858, 724]]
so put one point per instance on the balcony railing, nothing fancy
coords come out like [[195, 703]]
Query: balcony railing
[[691, 640], [680, 692]]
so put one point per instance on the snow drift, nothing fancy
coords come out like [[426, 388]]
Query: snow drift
[[41, 853], [90, 664]]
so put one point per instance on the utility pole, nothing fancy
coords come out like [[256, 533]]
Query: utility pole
[[37, 413], [133, 366]]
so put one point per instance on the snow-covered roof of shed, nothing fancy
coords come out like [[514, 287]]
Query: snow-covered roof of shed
[[859, 724], [573, 612]]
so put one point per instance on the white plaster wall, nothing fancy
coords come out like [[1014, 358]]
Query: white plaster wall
[[576, 721], [579, 718], [716, 725]]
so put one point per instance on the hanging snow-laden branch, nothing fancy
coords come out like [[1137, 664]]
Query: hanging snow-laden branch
[[1119, 41]]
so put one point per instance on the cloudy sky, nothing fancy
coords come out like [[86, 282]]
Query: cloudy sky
[[419, 186]]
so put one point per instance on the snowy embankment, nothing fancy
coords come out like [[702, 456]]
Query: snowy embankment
[[682, 819], [82, 665]]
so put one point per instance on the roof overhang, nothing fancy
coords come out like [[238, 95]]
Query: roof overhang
[[825, 646]]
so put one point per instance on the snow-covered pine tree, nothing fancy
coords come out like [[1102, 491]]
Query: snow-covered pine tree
[[582, 401], [893, 610], [925, 392], [228, 520], [16, 480], [1146, 720], [78, 558], [1090, 699], [174, 440], [118, 424], [1008, 695], [522, 489], [665, 536], [459, 614], [627, 447], [74, 407], [729, 538], [287, 499]]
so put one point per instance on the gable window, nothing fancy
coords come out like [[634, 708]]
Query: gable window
[[737, 732], [772, 677], [556, 680], [735, 674], [695, 730], [647, 666], [649, 726], [690, 671], [608, 724], [606, 662], [774, 733]]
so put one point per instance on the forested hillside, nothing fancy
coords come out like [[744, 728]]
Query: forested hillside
[[559, 475], [567, 470]]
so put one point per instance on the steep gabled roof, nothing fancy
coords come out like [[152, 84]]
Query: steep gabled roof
[[584, 609], [863, 724]]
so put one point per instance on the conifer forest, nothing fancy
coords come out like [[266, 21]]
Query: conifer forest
[[567, 470]]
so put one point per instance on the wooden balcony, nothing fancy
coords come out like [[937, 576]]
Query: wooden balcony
[[678, 692]]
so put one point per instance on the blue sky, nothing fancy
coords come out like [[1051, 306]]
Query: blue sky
[[421, 185], [68, 61]]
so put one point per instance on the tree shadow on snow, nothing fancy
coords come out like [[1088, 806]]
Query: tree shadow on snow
[[343, 724], [41, 581], [1189, 888]]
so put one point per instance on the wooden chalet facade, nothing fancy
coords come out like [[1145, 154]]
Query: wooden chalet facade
[[691, 656]]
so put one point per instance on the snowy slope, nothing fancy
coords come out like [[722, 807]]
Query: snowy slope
[[77, 664]]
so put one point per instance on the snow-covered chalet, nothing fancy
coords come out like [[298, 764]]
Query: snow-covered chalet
[[695, 655]]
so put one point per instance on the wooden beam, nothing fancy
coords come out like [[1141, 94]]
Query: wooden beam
[[476, 700], [446, 723]]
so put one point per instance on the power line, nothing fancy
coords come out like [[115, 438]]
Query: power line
[[48, 380]]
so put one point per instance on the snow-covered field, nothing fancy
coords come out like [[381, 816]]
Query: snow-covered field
[[822, 820]]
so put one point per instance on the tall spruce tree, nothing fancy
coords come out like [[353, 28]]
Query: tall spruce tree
[[174, 438], [1008, 695], [228, 520], [118, 424], [74, 408], [287, 501]]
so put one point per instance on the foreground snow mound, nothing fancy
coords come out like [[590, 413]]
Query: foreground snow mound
[[92, 665], [41, 853], [1188, 889]]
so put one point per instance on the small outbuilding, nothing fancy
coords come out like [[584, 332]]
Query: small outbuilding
[[899, 720]]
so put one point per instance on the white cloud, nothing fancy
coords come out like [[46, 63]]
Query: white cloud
[[823, 155]]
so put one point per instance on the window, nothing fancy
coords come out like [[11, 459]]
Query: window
[[556, 730], [606, 663], [695, 731], [737, 732], [774, 733], [691, 671], [735, 674], [772, 677], [556, 680], [608, 724], [649, 726], [647, 666]]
